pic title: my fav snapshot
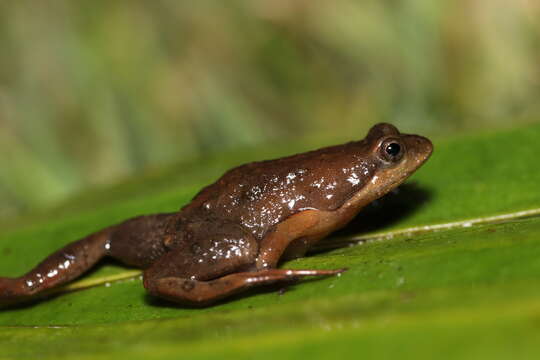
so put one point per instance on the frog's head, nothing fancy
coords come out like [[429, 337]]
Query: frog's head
[[396, 152], [394, 157]]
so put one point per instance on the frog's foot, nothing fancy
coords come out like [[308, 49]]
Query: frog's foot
[[202, 293], [16, 290], [59, 268], [10, 291]]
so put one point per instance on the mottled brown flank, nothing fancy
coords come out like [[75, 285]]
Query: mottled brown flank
[[234, 232]]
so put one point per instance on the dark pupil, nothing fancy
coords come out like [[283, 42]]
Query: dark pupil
[[393, 149]]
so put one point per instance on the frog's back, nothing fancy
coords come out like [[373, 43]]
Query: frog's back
[[261, 194]]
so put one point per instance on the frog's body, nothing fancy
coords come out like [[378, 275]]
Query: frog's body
[[233, 233]]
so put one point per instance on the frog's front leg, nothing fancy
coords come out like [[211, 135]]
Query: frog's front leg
[[293, 237]]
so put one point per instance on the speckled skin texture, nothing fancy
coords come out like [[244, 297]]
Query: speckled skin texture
[[232, 235], [261, 194]]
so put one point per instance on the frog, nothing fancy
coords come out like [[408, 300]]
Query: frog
[[235, 232]]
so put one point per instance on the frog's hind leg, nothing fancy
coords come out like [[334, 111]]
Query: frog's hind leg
[[211, 266], [137, 242], [62, 266], [203, 293]]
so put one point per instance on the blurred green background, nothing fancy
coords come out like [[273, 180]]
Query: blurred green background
[[94, 91]]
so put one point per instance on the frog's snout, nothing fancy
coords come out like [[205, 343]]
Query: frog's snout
[[421, 147]]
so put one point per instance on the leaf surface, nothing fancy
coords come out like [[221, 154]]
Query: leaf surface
[[457, 287]]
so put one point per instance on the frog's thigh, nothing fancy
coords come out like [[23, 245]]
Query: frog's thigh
[[207, 255], [307, 224]]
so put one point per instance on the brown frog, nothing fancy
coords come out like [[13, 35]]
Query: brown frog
[[234, 232]]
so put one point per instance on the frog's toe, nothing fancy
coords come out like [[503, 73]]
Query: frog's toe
[[8, 293]]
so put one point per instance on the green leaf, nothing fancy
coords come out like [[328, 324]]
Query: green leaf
[[463, 291]]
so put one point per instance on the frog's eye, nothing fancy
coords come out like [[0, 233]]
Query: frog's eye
[[392, 150]]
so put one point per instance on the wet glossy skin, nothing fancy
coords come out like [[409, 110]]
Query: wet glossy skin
[[234, 232]]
